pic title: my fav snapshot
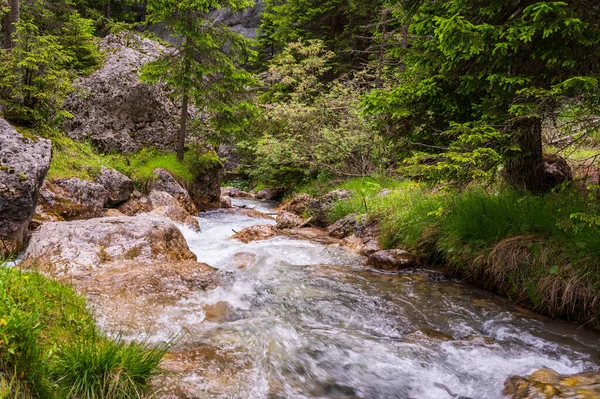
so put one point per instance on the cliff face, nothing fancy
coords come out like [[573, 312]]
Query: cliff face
[[114, 109]]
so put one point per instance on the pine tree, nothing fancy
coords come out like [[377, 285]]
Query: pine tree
[[205, 68], [498, 66]]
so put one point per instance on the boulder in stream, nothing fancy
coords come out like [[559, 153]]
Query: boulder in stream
[[23, 165], [288, 220], [344, 227], [392, 259], [256, 233], [547, 384], [164, 181]]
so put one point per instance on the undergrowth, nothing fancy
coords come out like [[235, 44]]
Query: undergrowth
[[51, 348], [538, 250]]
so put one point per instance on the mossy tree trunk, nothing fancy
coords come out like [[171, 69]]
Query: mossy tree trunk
[[526, 171], [184, 116]]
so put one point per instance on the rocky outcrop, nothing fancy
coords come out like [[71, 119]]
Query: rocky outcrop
[[133, 270], [23, 166], [205, 190], [118, 186], [177, 214], [298, 204], [73, 198], [288, 220], [319, 207], [270, 194], [244, 22], [136, 205], [392, 259], [547, 384], [256, 233], [114, 109], [164, 181], [78, 247], [344, 227]]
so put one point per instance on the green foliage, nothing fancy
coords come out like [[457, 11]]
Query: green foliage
[[77, 39], [33, 78], [200, 162], [82, 160], [494, 68], [50, 347], [308, 127]]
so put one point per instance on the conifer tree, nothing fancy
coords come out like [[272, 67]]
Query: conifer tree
[[205, 68]]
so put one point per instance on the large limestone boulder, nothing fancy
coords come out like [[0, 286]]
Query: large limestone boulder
[[164, 181], [118, 186], [137, 272], [23, 166], [114, 109], [547, 384], [177, 214], [78, 247], [73, 198]]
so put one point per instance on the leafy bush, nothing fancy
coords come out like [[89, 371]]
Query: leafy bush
[[51, 348]]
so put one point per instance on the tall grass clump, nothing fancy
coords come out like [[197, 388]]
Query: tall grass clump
[[51, 348]]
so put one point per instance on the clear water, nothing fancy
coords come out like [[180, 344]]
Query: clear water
[[307, 321]]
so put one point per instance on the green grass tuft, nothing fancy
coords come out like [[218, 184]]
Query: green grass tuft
[[51, 348]]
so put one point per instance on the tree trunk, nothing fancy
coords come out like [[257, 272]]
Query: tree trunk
[[9, 21], [107, 9], [527, 170], [184, 116]]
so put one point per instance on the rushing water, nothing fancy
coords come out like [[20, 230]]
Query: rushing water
[[302, 320]]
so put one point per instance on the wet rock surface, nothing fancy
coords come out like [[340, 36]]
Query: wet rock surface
[[73, 198], [23, 166], [392, 259], [288, 220], [345, 227], [548, 384], [177, 214], [164, 181], [77, 247], [256, 233]]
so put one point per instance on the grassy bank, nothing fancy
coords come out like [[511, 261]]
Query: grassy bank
[[51, 348], [82, 160], [541, 251]]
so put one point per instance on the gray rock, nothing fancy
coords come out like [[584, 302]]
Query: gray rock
[[297, 205], [392, 259], [205, 190], [162, 198], [114, 109], [119, 187], [71, 248], [243, 22], [135, 206], [288, 220], [226, 202], [270, 194], [177, 214], [73, 198], [164, 181], [319, 207], [23, 166], [344, 227]]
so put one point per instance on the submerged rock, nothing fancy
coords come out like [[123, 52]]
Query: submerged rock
[[392, 259], [23, 166], [226, 202], [547, 384], [165, 182], [118, 186], [256, 233], [287, 220], [429, 334], [73, 198]]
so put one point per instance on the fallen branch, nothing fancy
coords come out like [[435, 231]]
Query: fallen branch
[[307, 221]]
